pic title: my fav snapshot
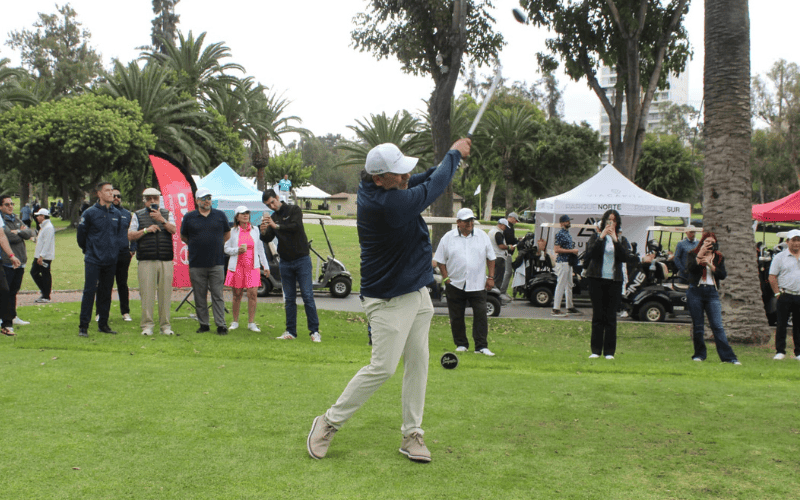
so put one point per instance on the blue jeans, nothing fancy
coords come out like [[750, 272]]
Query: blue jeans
[[705, 299], [293, 273]]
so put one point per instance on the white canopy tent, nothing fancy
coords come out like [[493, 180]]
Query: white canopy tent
[[608, 189], [229, 190]]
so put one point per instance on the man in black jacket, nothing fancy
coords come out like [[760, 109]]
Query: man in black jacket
[[152, 228], [286, 224]]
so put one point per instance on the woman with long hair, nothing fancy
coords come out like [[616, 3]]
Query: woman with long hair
[[606, 253], [706, 268], [247, 258]]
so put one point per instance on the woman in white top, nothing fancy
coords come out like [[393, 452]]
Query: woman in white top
[[247, 258]]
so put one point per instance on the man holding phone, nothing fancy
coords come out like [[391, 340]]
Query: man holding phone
[[152, 227]]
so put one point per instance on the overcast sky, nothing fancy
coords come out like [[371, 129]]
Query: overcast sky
[[302, 49]]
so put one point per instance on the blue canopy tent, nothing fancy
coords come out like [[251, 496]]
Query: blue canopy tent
[[229, 190]]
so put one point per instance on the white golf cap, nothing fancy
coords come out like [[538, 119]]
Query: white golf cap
[[503, 222], [240, 210], [43, 211], [465, 214], [387, 157], [691, 228], [201, 192], [792, 234], [151, 192]]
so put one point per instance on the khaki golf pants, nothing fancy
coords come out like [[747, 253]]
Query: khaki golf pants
[[399, 328], [155, 276]]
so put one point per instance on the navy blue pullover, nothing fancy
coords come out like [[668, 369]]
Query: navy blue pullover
[[395, 245], [98, 234]]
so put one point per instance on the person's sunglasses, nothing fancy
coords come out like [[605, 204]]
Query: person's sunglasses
[[9, 204], [118, 196], [206, 197]]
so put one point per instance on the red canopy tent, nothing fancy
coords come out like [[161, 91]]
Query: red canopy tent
[[785, 209]]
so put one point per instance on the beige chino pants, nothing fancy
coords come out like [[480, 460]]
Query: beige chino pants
[[399, 328], [155, 276]]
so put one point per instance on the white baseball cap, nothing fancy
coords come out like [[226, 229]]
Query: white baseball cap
[[465, 214], [503, 222], [240, 210], [201, 192], [793, 233], [43, 211], [387, 157]]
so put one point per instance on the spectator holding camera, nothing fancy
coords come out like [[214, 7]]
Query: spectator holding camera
[[705, 267], [152, 228]]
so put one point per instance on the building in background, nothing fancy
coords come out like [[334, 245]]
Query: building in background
[[677, 93]]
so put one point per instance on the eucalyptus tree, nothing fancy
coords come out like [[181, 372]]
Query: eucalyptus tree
[[641, 41]]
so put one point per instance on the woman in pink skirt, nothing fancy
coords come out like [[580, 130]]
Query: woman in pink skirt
[[247, 258]]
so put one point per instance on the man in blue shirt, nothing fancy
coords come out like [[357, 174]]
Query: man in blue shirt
[[564, 248], [395, 269], [98, 237], [682, 252], [284, 188], [205, 231]]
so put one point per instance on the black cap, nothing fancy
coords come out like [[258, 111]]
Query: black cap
[[564, 218]]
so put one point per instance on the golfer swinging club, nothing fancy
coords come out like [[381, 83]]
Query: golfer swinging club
[[395, 267]]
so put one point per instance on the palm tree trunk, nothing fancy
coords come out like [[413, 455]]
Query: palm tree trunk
[[727, 175]]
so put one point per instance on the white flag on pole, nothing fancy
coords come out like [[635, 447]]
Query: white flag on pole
[[477, 191]]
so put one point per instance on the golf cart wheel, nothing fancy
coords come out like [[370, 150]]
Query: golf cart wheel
[[340, 287], [652, 312], [541, 296], [492, 306], [265, 287]]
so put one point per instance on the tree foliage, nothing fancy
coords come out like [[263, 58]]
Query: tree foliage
[[288, 163], [402, 130], [12, 91], [641, 40], [165, 24], [58, 51], [72, 143], [667, 169]]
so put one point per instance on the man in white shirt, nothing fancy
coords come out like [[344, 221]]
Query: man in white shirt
[[463, 256], [784, 278], [43, 255]]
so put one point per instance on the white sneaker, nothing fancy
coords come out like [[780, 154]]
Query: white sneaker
[[42, 300], [127, 317], [623, 314], [316, 337], [20, 322], [485, 351], [797, 358], [461, 348], [593, 356], [697, 359], [253, 328], [780, 355], [233, 326], [736, 362], [167, 332], [147, 331], [286, 336], [97, 318], [609, 356]]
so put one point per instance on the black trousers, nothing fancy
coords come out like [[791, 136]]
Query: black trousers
[[9, 300], [456, 305], [605, 295], [4, 296], [42, 277], [121, 275], [788, 305], [99, 281]]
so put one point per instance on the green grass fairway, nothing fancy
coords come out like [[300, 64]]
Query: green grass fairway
[[199, 416]]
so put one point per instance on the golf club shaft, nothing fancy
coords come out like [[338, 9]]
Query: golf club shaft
[[489, 94]]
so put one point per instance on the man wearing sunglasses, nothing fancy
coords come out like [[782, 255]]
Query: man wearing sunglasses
[[16, 232], [126, 251], [205, 231]]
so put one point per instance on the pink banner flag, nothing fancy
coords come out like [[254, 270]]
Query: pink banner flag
[[177, 190]]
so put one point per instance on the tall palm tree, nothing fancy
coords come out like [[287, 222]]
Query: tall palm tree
[[505, 137], [273, 125], [402, 130], [11, 90], [727, 186], [174, 121], [197, 69]]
